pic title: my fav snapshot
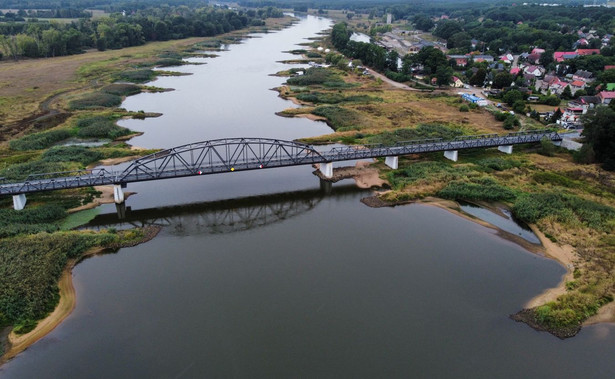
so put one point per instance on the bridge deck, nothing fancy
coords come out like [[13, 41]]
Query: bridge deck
[[240, 154]]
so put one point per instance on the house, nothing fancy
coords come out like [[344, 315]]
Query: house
[[460, 60], [589, 102], [538, 51], [560, 56], [576, 85], [483, 58], [534, 70], [588, 52], [609, 67], [606, 96], [556, 85], [515, 71], [533, 58], [507, 58], [456, 82], [586, 76]]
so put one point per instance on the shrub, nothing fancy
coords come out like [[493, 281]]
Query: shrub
[[498, 164], [122, 89], [100, 127], [422, 131], [96, 100], [22, 170], [168, 62], [137, 76], [547, 147], [485, 189], [32, 266], [464, 108], [81, 154], [313, 75], [39, 141], [337, 117], [566, 208]]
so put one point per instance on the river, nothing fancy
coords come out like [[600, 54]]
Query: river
[[263, 275]]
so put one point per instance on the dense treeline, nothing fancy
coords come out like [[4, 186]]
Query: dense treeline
[[41, 39], [370, 54]]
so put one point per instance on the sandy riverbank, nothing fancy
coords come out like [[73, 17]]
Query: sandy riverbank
[[64, 308]]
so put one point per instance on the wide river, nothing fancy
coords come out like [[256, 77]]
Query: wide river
[[284, 280]]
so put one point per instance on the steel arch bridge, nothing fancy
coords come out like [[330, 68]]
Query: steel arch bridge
[[241, 154]]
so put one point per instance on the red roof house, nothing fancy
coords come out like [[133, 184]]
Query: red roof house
[[588, 51], [606, 96]]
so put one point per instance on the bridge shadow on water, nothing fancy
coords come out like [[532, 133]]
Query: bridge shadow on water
[[224, 216]]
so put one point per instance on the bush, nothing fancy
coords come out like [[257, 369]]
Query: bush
[[485, 189], [122, 89], [547, 148], [337, 117], [96, 100], [31, 268], [313, 75], [100, 127], [464, 108], [585, 154], [38, 141], [22, 170], [137, 76], [498, 164], [168, 62], [566, 208], [422, 131], [81, 154]]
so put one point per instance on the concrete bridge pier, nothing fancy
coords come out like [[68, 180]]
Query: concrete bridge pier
[[19, 201], [326, 169], [121, 210], [118, 193], [392, 162], [506, 149], [326, 187], [452, 155]]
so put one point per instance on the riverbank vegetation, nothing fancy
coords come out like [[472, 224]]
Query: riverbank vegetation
[[64, 122], [571, 203]]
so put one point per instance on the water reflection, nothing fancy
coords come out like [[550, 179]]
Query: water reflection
[[226, 216]]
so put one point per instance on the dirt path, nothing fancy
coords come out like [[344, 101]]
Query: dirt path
[[391, 82]]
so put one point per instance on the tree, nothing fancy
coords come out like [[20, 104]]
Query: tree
[[599, 132], [340, 36], [391, 61], [567, 93], [512, 96], [502, 79], [423, 22], [519, 106], [478, 79], [546, 58], [447, 28], [443, 75]]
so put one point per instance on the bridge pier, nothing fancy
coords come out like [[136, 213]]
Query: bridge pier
[[506, 149], [326, 187], [392, 162], [326, 169], [452, 155], [19, 201], [121, 210], [118, 193]]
